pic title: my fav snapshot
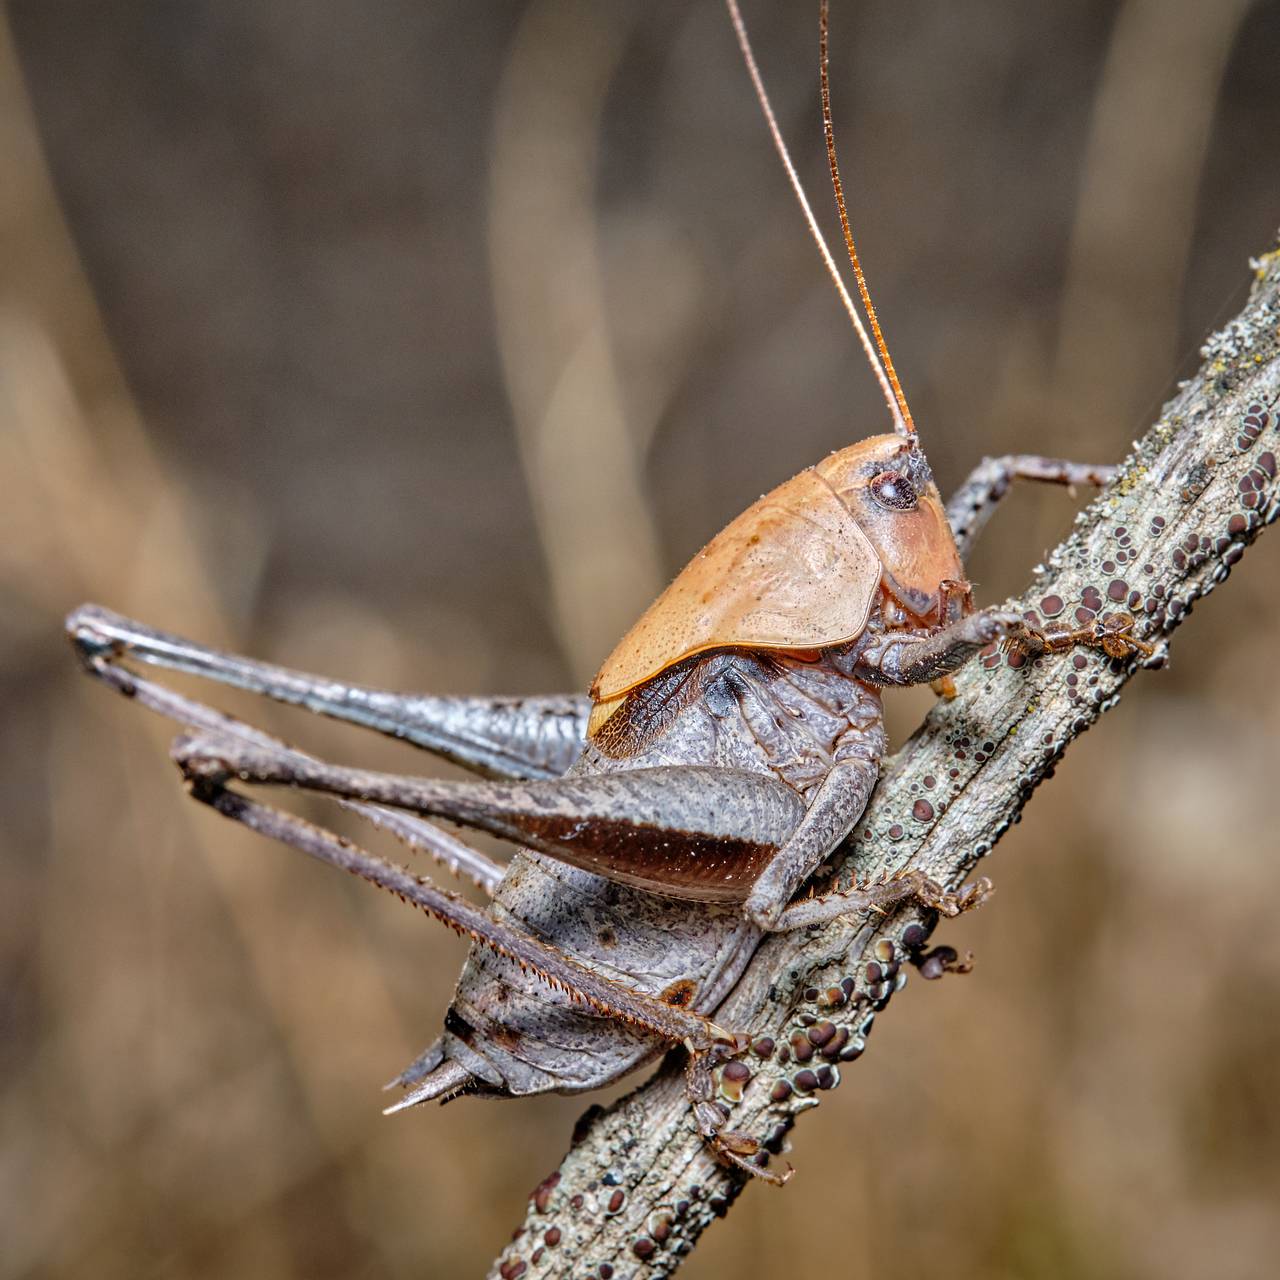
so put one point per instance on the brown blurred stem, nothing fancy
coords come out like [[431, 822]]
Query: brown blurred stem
[[1195, 491]]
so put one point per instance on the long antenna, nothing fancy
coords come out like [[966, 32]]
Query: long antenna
[[903, 422], [895, 403]]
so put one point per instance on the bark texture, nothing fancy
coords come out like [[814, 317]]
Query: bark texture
[[638, 1186]]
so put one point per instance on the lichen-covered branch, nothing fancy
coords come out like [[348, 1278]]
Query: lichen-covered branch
[[638, 1187]]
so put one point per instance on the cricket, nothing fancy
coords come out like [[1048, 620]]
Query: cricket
[[669, 819]]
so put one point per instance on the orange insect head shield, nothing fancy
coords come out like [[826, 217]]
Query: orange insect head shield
[[888, 488]]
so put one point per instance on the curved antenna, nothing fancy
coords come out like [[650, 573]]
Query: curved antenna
[[900, 425], [902, 420]]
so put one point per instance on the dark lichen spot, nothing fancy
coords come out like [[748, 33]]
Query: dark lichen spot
[[915, 935], [541, 1195], [833, 1050], [820, 1033], [854, 1049], [934, 965], [801, 1049], [680, 993]]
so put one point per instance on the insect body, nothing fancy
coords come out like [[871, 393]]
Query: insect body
[[667, 824], [730, 743]]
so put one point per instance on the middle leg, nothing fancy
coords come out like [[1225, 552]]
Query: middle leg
[[918, 657]]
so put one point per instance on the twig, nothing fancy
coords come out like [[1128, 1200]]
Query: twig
[[638, 1187]]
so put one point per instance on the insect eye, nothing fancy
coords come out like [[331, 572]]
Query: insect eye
[[893, 490]]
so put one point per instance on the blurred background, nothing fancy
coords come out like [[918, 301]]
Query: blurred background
[[419, 344]]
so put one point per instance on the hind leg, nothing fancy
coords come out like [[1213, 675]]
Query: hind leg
[[501, 737], [705, 1043], [420, 836], [687, 831], [550, 965]]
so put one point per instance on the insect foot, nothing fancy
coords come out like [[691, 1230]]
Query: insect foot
[[933, 895], [1113, 633], [882, 894], [729, 1146]]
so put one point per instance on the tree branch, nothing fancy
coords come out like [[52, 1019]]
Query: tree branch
[[638, 1187]]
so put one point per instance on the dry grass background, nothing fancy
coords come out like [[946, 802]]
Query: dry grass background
[[418, 343]]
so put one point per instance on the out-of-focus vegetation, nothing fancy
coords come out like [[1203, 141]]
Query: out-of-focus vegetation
[[418, 343]]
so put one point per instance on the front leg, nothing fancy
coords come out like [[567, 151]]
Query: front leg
[[973, 504], [918, 657]]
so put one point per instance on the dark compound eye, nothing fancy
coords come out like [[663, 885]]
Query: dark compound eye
[[893, 490]]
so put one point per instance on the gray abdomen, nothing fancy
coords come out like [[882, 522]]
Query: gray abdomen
[[514, 1035]]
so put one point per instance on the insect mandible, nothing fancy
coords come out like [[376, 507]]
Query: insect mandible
[[666, 821]]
